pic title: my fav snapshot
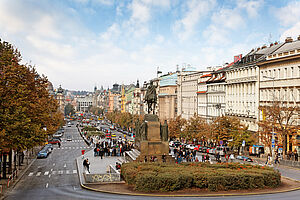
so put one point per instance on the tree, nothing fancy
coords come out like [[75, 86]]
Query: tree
[[229, 129], [26, 107], [196, 128], [96, 110], [280, 118], [176, 127], [69, 109]]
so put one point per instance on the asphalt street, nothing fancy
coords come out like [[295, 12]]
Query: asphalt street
[[56, 178]]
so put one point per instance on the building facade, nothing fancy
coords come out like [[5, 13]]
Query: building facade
[[280, 82], [167, 97]]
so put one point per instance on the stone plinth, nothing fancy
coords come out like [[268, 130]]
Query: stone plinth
[[152, 144]]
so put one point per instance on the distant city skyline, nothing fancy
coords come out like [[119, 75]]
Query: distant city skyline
[[82, 43]]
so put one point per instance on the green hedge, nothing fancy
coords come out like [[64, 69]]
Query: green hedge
[[149, 177]]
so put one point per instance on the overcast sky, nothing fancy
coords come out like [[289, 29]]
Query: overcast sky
[[83, 43]]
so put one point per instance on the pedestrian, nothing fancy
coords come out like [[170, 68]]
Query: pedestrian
[[268, 160], [58, 144], [231, 157], [276, 159], [163, 157], [296, 155], [86, 165]]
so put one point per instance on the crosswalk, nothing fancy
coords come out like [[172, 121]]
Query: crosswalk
[[66, 148], [53, 172]]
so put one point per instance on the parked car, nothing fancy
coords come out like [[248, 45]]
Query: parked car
[[49, 146], [244, 158], [43, 153], [54, 141], [57, 134], [212, 151]]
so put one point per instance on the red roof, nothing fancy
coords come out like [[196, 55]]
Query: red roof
[[205, 75]]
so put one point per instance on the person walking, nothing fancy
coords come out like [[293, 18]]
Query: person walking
[[86, 165], [276, 159], [296, 155]]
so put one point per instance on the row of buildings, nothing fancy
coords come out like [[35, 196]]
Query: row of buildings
[[264, 75]]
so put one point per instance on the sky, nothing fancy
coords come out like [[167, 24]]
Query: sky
[[80, 44]]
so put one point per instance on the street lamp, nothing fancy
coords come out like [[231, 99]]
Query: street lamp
[[273, 134]]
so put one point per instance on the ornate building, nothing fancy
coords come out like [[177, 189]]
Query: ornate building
[[60, 97]]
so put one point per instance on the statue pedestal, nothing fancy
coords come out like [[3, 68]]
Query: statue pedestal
[[152, 144]]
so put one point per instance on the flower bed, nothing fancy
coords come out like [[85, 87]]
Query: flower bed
[[163, 177]]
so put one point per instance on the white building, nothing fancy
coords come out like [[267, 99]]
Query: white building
[[84, 102], [242, 86], [187, 88]]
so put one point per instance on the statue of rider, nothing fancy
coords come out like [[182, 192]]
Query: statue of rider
[[151, 98]]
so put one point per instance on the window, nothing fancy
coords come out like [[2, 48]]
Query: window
[[292, 72], [285, 73]]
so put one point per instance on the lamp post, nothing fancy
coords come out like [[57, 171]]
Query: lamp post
[[273, 134]]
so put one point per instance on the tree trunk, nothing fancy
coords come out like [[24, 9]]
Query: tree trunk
[[10, 162], [4, 165]]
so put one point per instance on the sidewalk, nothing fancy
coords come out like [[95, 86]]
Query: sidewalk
[[97, 165], [6, 185], [283, 163]]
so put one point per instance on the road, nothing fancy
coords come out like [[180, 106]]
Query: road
[[56, 178]]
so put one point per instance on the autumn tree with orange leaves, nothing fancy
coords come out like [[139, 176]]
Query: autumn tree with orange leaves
[[26, 107], [282, 118]]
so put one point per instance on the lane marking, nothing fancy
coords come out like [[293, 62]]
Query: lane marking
[[60, 172], [46, 173], [51, 170], [65, 165], [30, 174], [53, 164], [54, 172], [38, 174], [49, 175], [62, 148], [47, 185], [67, 171], [74, 171]]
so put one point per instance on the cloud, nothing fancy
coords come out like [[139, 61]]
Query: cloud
[[252, 7], [228, 18], [290, 14], [293, 32], [289, 18], [196, 9]]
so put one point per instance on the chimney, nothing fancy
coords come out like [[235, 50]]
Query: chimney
[[263, 47], [271, 44], [298, 37], [275, 43], [288, 39], [258, 48]]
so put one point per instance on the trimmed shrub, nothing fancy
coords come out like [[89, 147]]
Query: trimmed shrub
[[149, 177]]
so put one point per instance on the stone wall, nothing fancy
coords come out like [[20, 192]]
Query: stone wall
[[102, 178]]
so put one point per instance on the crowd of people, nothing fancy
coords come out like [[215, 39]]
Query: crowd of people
[[184, 155], [111, 147]]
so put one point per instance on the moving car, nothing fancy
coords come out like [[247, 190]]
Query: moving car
[[54, 141], [69, 138]]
